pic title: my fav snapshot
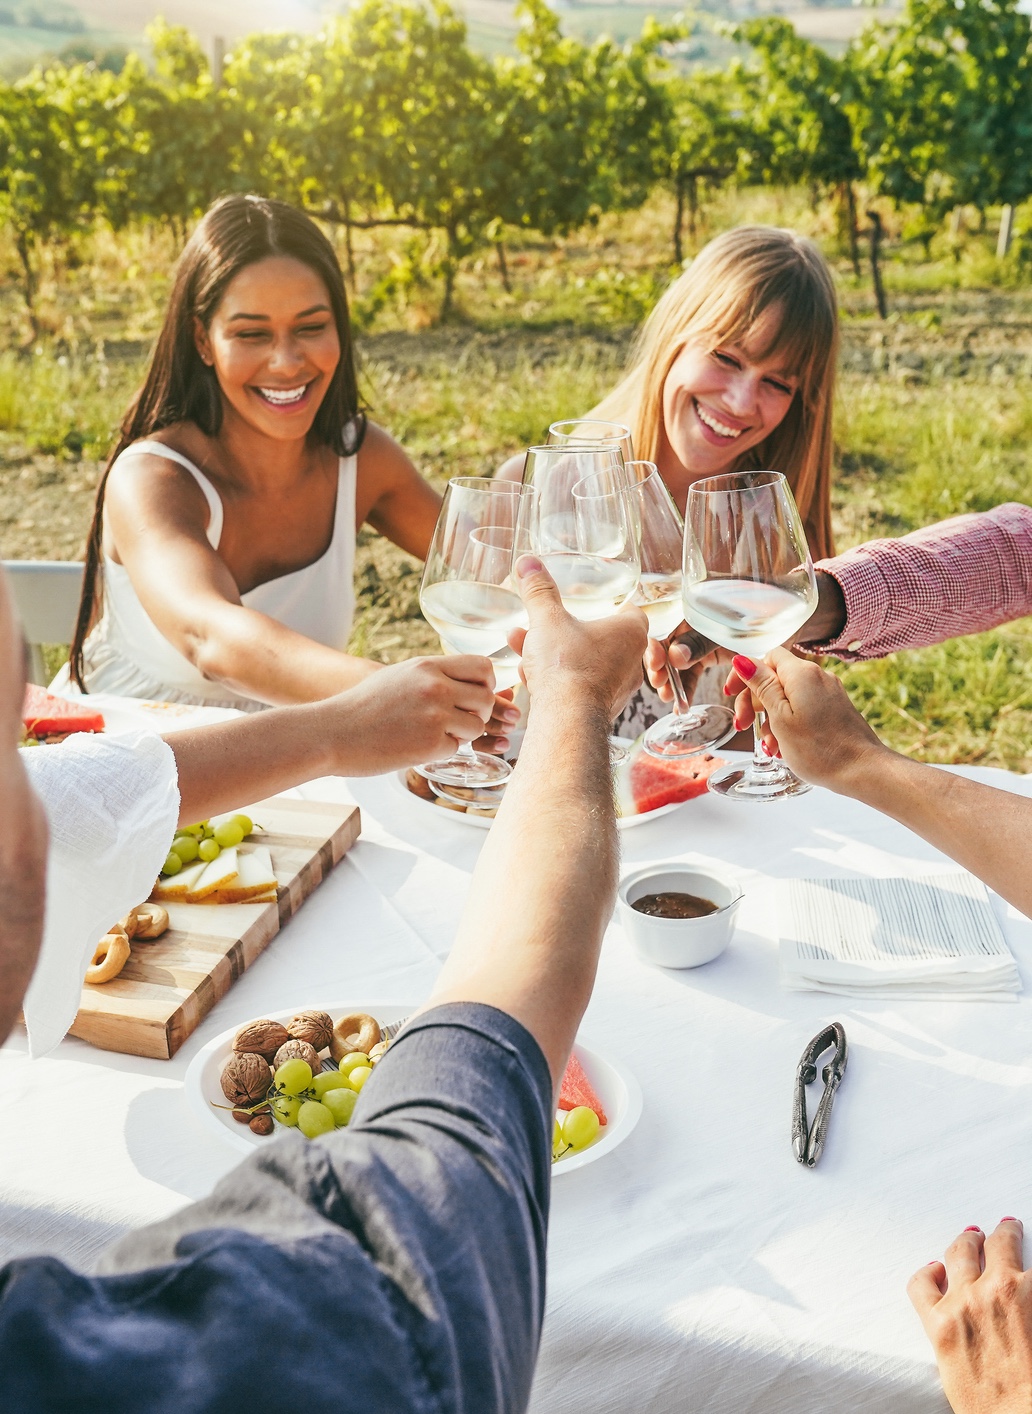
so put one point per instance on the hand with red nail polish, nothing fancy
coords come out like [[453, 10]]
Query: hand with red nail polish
[[976, 1308], [810, 721]]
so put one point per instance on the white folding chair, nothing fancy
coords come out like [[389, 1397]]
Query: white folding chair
[[46, 598]]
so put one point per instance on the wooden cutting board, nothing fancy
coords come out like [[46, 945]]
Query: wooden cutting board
[[168, 987]]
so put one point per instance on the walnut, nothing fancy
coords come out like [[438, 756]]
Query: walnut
[[315, 1027], [262, 1038], [302, 1050], [246, 1079]]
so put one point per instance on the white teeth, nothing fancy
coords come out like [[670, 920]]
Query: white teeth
[[718, 427], [282, 396]]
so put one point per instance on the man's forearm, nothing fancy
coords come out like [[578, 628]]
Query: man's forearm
[[543, 889], [987, 831]]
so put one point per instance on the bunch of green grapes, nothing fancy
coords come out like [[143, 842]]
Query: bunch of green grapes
[[205, 841], [317, 1104]]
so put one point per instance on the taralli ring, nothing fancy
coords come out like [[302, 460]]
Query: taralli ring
[[151, 920], [358, 1032], [111, 956]]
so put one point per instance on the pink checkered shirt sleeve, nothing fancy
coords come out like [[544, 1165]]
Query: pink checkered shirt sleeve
[[960, 576]]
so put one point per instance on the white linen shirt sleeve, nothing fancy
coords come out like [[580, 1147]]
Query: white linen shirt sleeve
[[112, 804]]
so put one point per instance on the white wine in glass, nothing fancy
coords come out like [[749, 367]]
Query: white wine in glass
[[476, 615], [686, 730], [579, 518], [749, 585], [467, 595]]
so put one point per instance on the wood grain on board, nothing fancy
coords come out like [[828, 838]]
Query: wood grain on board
[[167, 987]]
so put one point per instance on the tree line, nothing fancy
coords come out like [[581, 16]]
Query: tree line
[[390, 118]]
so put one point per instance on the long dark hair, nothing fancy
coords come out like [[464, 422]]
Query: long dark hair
[[180, 387]]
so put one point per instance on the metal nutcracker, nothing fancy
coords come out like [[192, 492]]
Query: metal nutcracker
[[807, 1145]]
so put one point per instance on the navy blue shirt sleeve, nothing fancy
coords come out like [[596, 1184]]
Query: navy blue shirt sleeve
[[396, 1265]]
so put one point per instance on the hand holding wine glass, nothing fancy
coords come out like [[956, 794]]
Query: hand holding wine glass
[[749, 585]]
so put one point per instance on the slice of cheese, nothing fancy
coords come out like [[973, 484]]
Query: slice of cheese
[[177, 886], [217, 875], [254, 877]]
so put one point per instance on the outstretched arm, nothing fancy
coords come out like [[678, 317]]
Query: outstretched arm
[[826, 741], [543, 889], [23, 833]]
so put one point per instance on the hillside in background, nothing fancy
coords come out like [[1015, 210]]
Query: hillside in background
[[93, 28]]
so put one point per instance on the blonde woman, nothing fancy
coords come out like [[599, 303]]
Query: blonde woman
[[734, 370]]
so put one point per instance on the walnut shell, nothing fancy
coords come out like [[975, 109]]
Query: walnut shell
[[261, 1038], [315, 1027], [302, 1050], [246, 1079]]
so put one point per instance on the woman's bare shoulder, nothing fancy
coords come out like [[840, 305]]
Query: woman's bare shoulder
[[149, 483]]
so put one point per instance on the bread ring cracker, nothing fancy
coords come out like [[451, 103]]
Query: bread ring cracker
[[111, 956], [357, 1032], [151, 921]]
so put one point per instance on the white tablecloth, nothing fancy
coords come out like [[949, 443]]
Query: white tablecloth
[[697, 1267]]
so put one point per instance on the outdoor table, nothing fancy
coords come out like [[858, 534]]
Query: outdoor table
[[697, 1266]]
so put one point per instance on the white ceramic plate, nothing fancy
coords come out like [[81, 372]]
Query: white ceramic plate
[[484, 822], [122, 714], [618, 1090]]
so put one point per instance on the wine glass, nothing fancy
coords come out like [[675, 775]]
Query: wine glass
[[748, 585], [687, 730], [467, 595], [592, 431], [579, 517]]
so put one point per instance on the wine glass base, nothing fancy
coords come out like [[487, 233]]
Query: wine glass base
[[471, 772], [757, 783], [480, 797], [683, 734]]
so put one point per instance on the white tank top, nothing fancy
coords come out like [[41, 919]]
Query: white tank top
[[128, 655]]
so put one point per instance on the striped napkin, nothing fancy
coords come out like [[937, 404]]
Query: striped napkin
[[933, 937]]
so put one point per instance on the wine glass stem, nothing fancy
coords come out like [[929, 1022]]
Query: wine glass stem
[[761, 764], [682, 702], [465, 749]]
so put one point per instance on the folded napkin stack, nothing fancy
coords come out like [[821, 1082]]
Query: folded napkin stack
[[932, 937]]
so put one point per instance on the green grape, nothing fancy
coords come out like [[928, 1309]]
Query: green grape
[[285, 1109], [196, 831], [340, 1104], [207, 830], [558, 1142], [293, 1076], [209, 850], [358, 1077], [245, 822], [228, 834], [351, 1060], [172, 864], [314, 1119], [186, 847], [580, 1127], [330, 1080]]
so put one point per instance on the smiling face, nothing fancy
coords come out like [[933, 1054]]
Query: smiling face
[[274, 347], [720, 401]]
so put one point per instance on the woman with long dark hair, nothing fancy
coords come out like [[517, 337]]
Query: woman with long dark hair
[[220, 558]]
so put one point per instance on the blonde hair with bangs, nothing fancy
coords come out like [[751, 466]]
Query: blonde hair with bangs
[[718, 300]]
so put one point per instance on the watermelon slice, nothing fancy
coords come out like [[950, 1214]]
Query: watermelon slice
[[46, 715], [576, 1090], [652, 783]]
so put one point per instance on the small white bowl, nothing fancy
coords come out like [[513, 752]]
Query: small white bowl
[[678, 942]]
